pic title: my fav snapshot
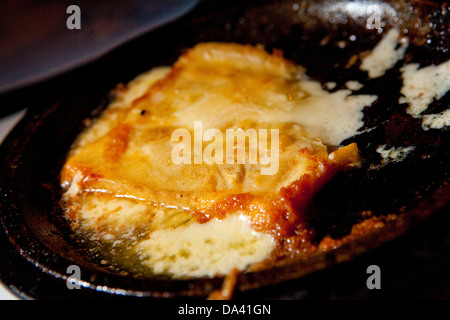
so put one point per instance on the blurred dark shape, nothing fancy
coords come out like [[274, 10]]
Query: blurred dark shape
[[36, 43]]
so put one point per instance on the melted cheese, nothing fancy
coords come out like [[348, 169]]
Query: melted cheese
[[214, 247], [121, 180], [436, 120], [393, 154], [386, 54], [422, 86]]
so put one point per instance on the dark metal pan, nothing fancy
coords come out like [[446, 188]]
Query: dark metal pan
[[37, 245]]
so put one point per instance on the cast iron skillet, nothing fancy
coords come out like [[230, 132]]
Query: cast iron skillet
[[38, 246]]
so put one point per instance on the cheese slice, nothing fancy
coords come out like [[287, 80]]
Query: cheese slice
[[121, 181]]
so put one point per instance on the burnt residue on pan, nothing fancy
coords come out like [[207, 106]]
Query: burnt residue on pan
[[329, 38]]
